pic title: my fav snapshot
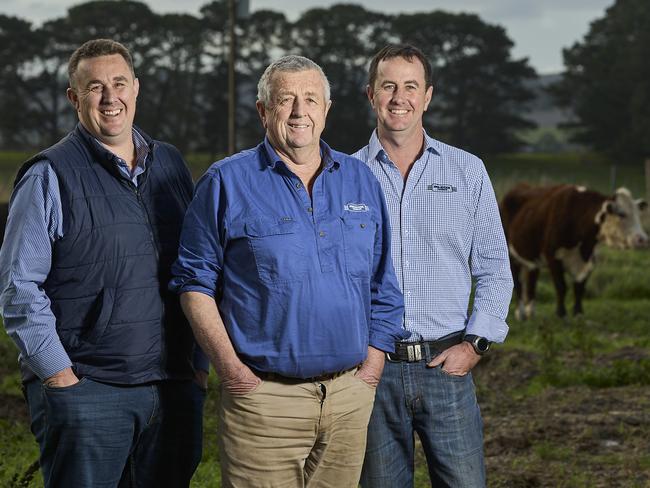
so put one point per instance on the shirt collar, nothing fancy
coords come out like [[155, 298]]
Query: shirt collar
[[272, 158], [377, 152], [142, 149]]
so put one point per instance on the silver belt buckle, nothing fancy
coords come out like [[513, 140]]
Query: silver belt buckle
[[414, 353]]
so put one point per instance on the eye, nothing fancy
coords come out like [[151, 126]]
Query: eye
[[96, 88], [389, 87]]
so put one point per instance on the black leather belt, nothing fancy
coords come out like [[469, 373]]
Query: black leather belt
[[412, 352], [265, 375]]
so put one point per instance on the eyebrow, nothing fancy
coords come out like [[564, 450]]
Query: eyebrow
[[407, 82], [114, 79]]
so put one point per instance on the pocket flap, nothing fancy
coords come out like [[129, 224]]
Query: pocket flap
[[261, 228]]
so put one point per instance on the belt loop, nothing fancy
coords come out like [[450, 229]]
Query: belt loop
[[427, 353]]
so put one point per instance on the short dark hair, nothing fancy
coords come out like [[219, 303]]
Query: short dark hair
[[406, 51], [96, 48]]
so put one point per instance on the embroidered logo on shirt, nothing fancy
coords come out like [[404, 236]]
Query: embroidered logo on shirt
[[443, 187], [356, 207]]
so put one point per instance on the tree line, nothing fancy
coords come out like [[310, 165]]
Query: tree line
[[480, 95], [182, 60]]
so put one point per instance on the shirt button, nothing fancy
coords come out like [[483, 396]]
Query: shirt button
[[322, 233], [299, 185], [406, 264], [363, 226], [310, 210]]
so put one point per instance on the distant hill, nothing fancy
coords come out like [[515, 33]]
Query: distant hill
[[543, 110]]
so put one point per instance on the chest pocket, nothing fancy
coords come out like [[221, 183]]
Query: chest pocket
[[279, 250], [359, 244]]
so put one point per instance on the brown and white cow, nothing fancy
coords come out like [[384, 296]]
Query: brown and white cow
[[560, 226]]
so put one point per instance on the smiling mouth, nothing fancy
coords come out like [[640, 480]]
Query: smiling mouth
[[298, 126], [111, 113], [396, 111]]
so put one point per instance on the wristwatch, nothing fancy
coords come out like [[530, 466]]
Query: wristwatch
[[480, 344]]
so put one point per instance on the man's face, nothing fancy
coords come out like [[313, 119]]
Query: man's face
[[296, 116], [399, 95], [104, 93]]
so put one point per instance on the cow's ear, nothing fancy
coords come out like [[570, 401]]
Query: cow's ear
[[642, 204]]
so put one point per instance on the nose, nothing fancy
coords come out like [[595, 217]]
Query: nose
[[108, 95], [297, 110], [640, 240]]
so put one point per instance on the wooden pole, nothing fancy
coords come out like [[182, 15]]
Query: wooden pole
[[231, 79], [647, 180]]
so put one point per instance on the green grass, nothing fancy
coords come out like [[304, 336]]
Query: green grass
[[607, 348]]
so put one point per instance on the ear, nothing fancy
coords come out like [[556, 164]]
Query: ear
[[73, 98], [370, 93], [327, 108], [642, 204], [261, 110], [136, 87], [427, 97]]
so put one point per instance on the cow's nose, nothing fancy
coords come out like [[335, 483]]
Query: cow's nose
[[640, 240]]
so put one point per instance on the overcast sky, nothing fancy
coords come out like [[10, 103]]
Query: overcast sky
[[539, 28]]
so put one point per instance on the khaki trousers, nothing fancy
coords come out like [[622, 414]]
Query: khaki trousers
[[295, 433]]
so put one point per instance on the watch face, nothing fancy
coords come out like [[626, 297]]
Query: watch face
[[482, 344]]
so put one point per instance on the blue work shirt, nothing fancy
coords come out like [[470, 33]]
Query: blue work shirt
[[303, 285], [447, 237]]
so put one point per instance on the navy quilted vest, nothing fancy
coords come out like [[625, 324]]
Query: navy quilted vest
[[109, 275]]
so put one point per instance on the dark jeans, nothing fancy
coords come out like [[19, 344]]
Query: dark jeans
[[443, 410], [96, 435]]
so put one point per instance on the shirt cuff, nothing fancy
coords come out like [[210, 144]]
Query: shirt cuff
[[193, 287], [49, 361], [485, 325], [385, 338]]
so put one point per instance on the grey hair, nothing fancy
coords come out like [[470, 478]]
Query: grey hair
[[292, 63]]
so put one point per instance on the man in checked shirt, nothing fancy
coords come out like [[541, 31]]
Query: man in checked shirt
[[446, 232]]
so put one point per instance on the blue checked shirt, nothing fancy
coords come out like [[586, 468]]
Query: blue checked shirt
[[446, 231]]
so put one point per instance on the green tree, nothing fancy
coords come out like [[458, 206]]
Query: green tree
[[607, 82], [18, 47], [479, 90]]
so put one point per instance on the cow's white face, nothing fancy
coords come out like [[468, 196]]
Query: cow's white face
[[620, 223], [644, 214]]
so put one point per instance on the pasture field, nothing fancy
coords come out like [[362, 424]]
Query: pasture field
[[566, 403]]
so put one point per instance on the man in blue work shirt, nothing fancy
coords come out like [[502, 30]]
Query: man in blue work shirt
[[286, 278], [446, 233], [105, 351]]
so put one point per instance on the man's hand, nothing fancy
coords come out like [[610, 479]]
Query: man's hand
[[201, 378], [458, 360], [61, 379], [371, 369], [239, 379]]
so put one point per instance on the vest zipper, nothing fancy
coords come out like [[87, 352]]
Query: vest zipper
[[163, 349]]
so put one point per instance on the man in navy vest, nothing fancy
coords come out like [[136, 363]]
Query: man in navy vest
[[114, 381]]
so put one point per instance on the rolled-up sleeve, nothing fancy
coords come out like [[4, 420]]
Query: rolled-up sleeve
[[200, 254], [387, 302]]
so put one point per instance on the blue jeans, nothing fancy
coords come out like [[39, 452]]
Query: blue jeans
[[97, 435], [442, 409]]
